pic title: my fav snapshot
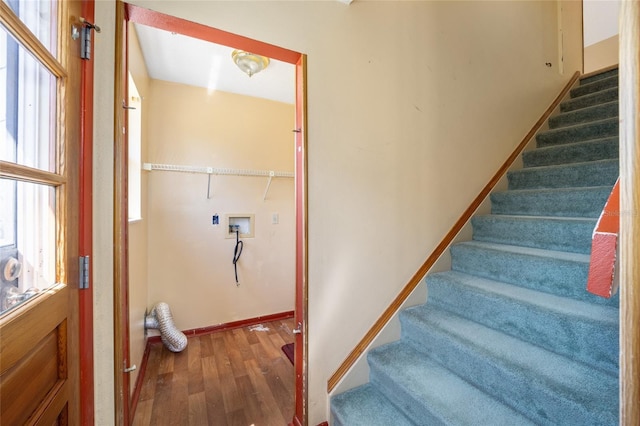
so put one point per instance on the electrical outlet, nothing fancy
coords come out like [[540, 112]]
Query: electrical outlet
[[275, 219]]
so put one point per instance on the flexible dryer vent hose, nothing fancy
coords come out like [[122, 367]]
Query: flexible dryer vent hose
[[160, 318]]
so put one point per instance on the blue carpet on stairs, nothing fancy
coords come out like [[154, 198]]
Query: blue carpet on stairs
[[510, 336]]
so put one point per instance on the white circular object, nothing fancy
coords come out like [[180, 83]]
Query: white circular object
[[12, 269]]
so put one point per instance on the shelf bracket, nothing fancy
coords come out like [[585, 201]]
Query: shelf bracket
[[266, 190]]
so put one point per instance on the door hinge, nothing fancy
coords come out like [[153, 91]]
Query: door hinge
[[84, 273], [85, 37]]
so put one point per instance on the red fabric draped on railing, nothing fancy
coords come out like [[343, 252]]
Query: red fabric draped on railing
[[604, 244]]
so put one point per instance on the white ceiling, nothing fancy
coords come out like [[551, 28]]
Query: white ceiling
[[181, 59]]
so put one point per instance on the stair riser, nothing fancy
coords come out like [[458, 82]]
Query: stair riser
[[335, 421], [365, 406], [601, 173], [596, 77], [585, 115], [596, 86], [400, 398], [549, 234], [586, 202], [418, 387], [589, 341], [585, 132], [590, 100], [604, 149], [495, 377], [555, 276]]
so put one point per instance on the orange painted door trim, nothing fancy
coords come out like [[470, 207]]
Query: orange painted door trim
[[85, 247], [202, 32], [301, 342]]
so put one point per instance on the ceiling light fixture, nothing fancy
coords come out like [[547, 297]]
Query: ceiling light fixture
[[249, 63]]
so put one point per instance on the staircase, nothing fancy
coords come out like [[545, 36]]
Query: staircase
[[509, 336]]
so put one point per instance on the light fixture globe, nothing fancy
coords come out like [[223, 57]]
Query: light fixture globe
[[249, 63]]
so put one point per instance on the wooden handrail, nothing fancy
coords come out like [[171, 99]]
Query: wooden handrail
[[444, 244], [604, 244]]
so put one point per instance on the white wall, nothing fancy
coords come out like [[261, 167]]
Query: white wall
[[412, 108], [102, 274], [602, 54], [600, 20], [190, 260], [600, 33]]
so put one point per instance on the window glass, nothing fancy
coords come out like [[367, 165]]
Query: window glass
[[39, 16], [27, 135], [134, 141], [7, 214], [28, 96], [28, 265]]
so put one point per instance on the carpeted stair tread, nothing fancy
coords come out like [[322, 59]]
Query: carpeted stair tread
[[571, 202], [546, 387], [584, 115], [365, 406], [602, 96], [577, 329], [594, 86], [598, 76], [579, 132], [427, 391], [556, 272], [577, 152], [572, 234], [589, 173]]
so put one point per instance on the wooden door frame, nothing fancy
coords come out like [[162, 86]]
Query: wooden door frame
[[85, 227], [129, 13], [629, 239], [120, 228]]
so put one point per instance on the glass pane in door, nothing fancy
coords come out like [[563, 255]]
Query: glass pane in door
[[27, 113], [39, 16], [27, 258]]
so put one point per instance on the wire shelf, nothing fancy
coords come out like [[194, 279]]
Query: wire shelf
[[216, 171], [270, 174]]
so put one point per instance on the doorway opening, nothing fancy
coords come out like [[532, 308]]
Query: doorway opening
[[207, 185]]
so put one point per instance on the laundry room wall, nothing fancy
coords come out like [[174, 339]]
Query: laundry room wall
[[189, 258]]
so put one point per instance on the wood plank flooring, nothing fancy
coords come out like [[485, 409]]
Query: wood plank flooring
[[234, 377]]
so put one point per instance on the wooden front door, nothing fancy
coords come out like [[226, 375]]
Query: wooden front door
[[39, 144]]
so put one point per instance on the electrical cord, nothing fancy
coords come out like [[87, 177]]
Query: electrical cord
[[237, 252]]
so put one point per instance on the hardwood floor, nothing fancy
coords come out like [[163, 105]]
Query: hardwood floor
[[234, 377]]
